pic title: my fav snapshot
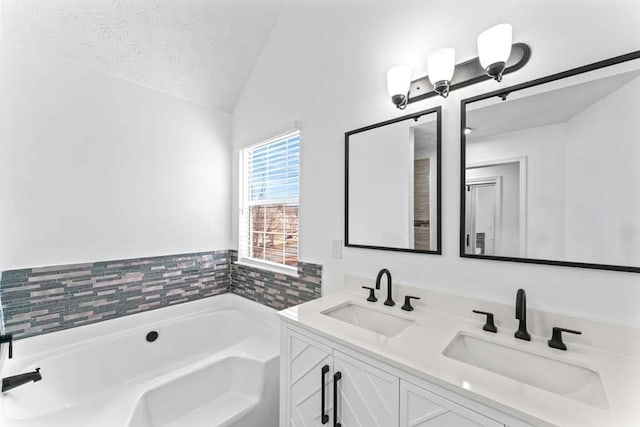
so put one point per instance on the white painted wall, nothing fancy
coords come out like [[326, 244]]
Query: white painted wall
[[603, 180], [545, 151], [325, 65], [96, 168], [381, 187]]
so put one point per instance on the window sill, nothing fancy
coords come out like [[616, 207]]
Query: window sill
[[268, 266]]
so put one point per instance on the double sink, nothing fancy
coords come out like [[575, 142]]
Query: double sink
[[537, 368]]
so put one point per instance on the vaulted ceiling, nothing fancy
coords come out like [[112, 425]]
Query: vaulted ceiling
[[198, 50]]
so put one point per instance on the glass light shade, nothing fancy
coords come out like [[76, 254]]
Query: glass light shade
[[399, 80], [494, 44], [441, 65]]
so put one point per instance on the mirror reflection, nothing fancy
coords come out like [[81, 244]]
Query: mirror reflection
[[552, 172], [392, 179]]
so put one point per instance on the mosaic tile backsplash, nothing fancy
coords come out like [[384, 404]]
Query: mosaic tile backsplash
[[276, 290], [49, 299]]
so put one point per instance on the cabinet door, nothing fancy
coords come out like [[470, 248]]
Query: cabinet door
[[305, 362], [367, 396], [422, 408]]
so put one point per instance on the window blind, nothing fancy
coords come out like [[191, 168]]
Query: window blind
[[269, 201]]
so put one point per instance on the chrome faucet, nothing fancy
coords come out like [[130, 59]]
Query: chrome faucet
[[382, 272], [521, 315]]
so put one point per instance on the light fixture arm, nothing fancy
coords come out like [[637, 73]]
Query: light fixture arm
[[468, 73]]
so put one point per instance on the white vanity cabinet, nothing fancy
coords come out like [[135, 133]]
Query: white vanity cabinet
[[369, 393], [367, 396], [422, 408], [306, 372]]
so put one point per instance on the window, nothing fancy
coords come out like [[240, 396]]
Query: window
[[269, 202]]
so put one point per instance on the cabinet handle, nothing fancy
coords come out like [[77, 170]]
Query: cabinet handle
[[336, 377], [325, 417]]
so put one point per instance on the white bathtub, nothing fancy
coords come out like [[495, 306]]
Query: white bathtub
[[215, 363]]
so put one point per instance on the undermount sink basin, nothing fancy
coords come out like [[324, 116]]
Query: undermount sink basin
[[557, 376], [373, 320]]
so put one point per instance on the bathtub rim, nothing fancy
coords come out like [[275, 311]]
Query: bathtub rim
[[30, 349]]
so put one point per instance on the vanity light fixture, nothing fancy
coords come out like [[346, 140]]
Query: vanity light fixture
[[440, 65], [497, 56], [494, 48], [398, 83]]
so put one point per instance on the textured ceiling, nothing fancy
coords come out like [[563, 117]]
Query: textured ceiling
[[199, 50]]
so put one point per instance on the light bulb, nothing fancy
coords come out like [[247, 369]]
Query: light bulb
[[494, 48], [398, 83], [441, 65]]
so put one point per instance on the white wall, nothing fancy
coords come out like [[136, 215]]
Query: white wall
[[381, 187], [96, 168], [325, 65], [603, 180], [545, 151]]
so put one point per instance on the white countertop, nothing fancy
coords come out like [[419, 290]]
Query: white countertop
[[418, 351]]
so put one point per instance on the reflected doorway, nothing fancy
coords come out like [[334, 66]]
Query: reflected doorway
[[495, 203], [483, 216]]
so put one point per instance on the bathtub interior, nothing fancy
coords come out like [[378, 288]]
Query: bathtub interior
[[223, 393], [207, 350]]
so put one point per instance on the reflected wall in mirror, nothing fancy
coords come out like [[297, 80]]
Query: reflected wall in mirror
[[392, 184], [551, 174]]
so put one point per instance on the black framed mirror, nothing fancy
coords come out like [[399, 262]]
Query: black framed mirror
[[550, 169], [392, 184]]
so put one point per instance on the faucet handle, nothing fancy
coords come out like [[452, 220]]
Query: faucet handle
[[372, 294], [489, 325], [8, 338], [556, 337], [407, 303]]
